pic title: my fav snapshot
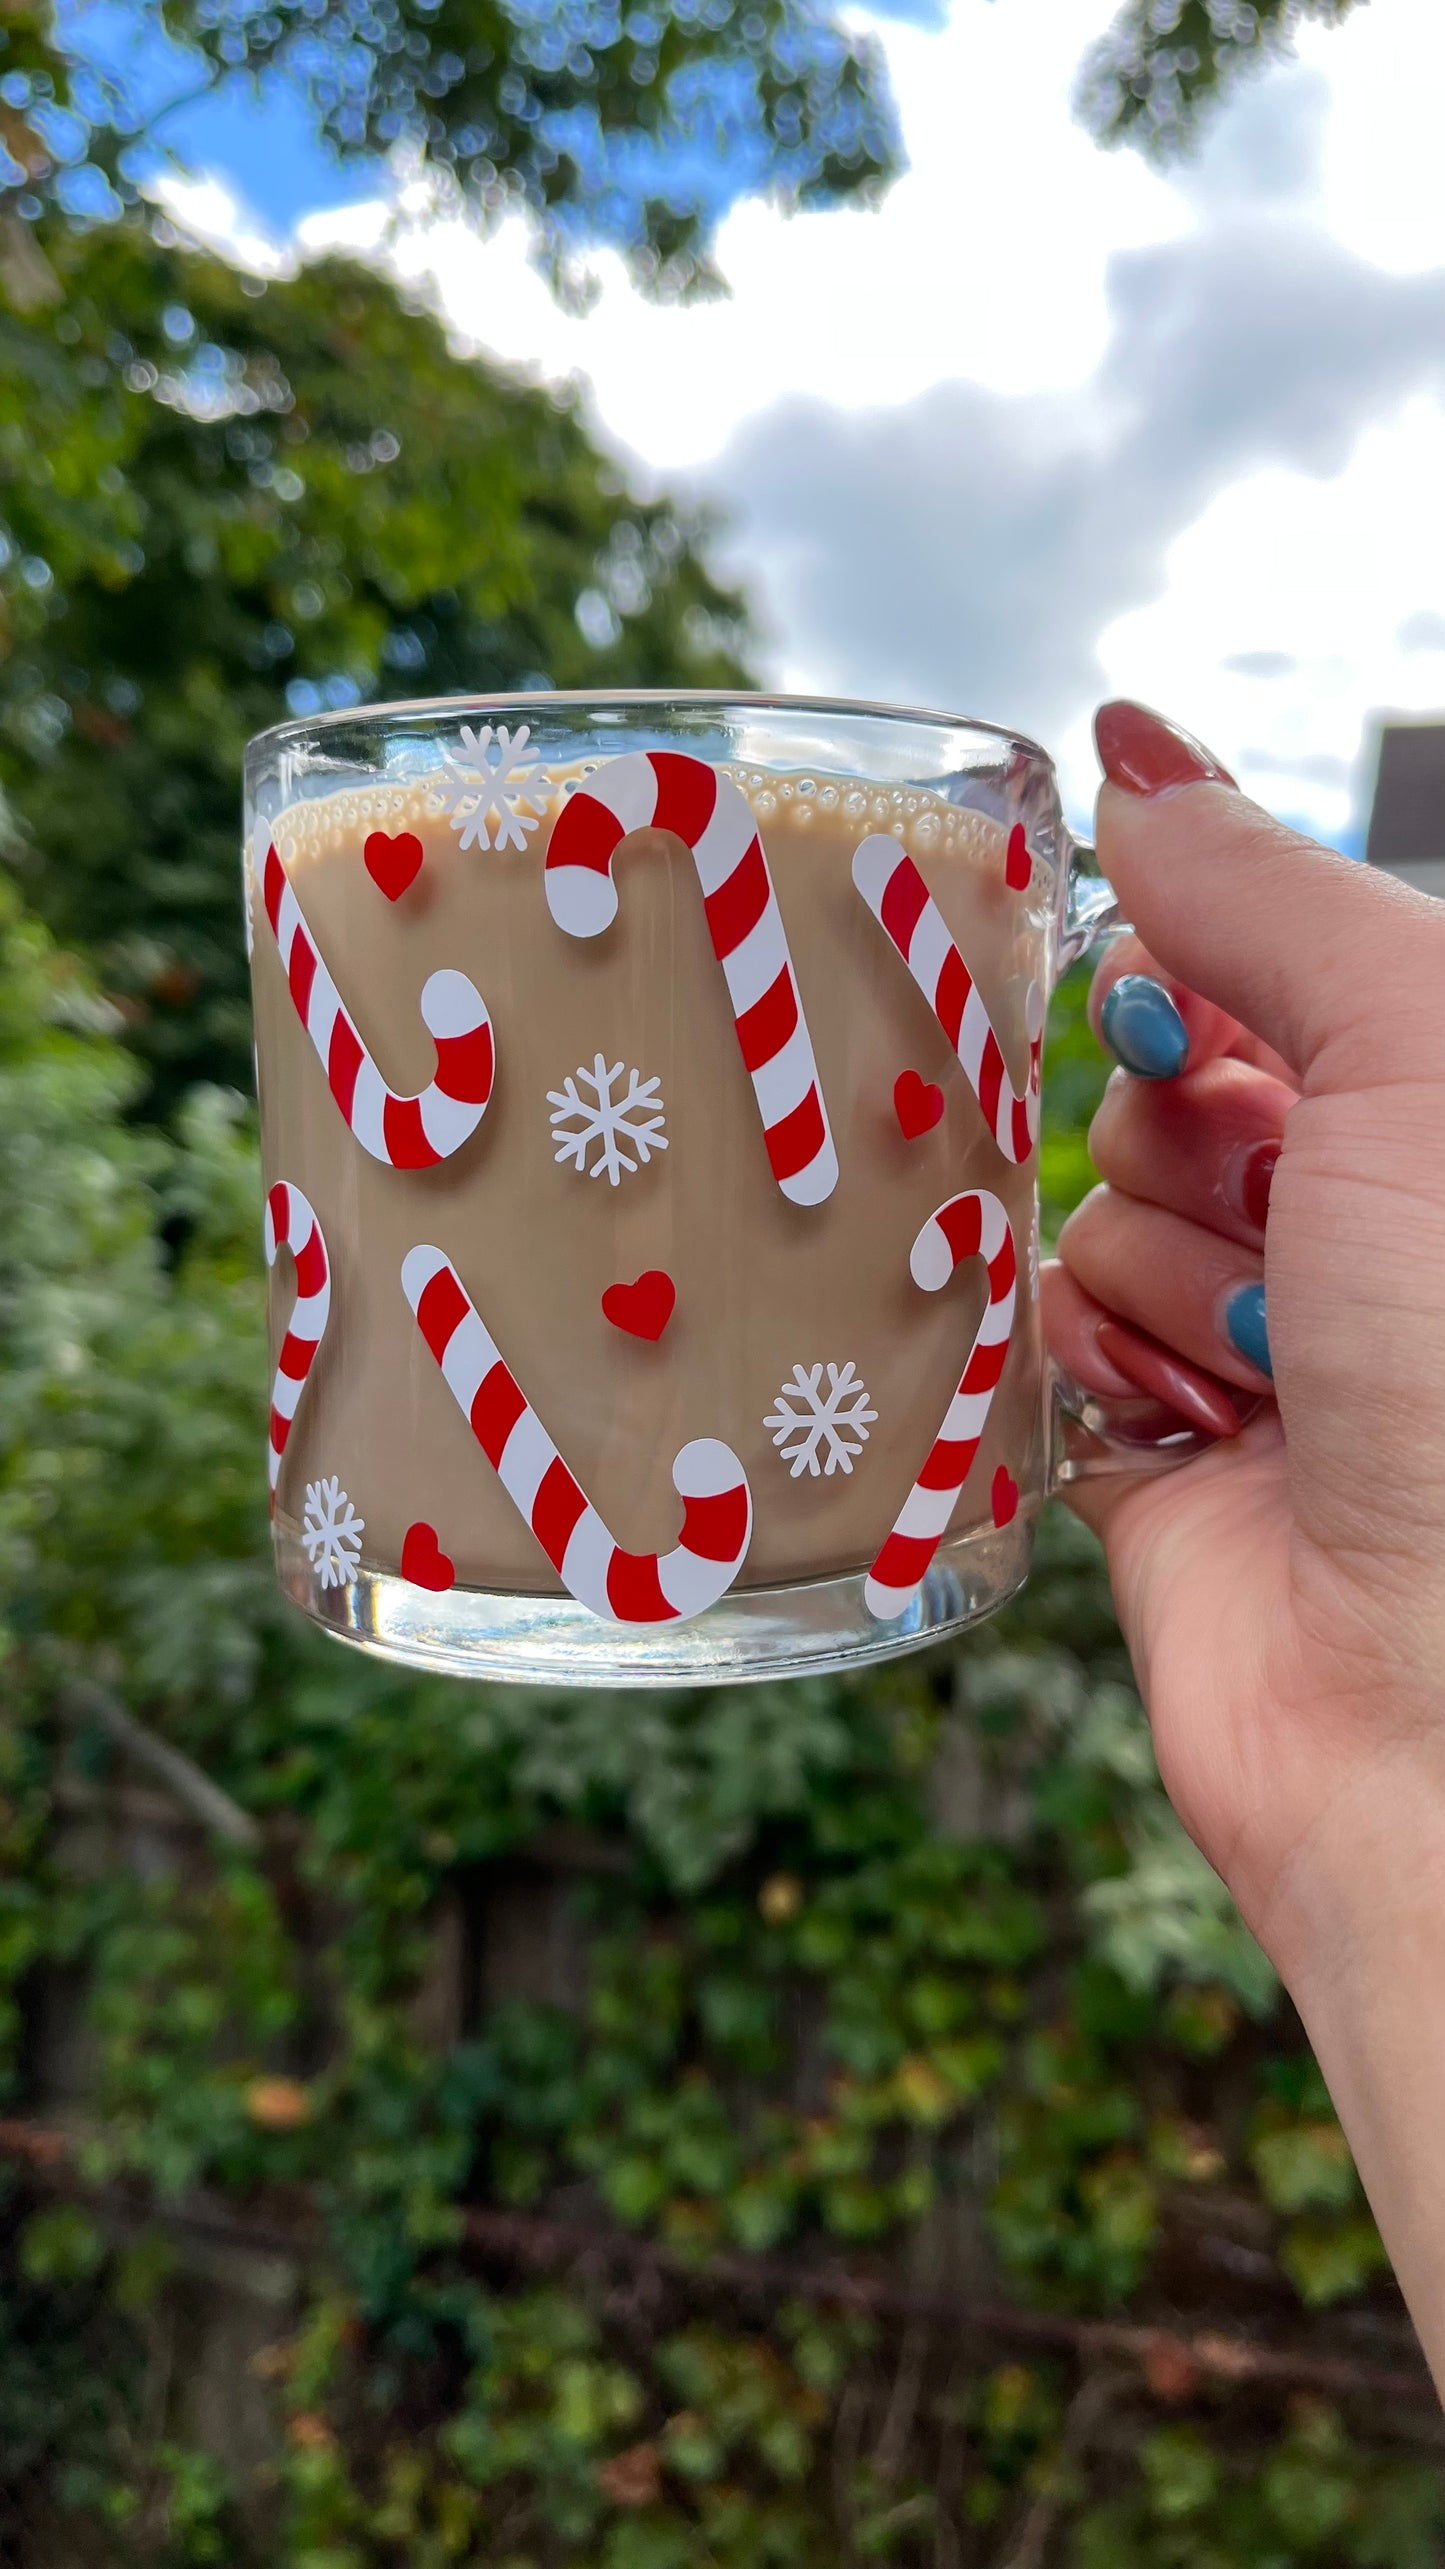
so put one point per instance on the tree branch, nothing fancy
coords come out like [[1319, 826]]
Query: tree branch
[[83, 1701], [1030, 2544], [530, 2239], [1177, 2362]]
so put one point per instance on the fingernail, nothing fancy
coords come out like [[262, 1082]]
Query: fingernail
[[1147, 755], [1151, 1368], [1246, 1328], [1143, 1029], [1253, 1177]]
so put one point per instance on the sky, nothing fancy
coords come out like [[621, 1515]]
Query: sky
[[1050, 424]]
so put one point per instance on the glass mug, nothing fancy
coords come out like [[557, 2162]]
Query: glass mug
[[649, 1097]]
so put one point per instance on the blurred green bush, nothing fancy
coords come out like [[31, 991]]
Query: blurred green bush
[[222, 502]]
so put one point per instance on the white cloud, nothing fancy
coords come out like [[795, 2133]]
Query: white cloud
[[206, 210], [1336, 578], [1380, 164], [1051, 421], [1018, 554], [984, 261]]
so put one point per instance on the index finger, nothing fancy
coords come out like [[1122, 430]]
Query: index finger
[[1335, 965], [1209, 1031]]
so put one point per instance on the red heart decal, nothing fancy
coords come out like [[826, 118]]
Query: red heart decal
[[423, 1560], [392, 863], [1018, 872], [642, 1309], [917, 1103], [1004, 1496]]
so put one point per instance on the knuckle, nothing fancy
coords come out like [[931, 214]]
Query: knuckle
[[1083, 1223]]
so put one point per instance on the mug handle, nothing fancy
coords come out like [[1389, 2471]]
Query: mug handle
[[1090, 1435]]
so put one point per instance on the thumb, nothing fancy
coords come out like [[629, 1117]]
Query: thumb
[[1335, 965]]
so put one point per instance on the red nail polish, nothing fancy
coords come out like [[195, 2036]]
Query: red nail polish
[[1253, 1180], [1157, 1370], [1147, 755]]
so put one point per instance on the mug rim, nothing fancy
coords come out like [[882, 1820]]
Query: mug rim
[[754, 700]]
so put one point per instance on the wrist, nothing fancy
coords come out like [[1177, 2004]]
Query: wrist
[[1357, 1932], [1365, 1887]]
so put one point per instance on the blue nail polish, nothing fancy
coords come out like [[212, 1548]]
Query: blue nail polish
[[1245, 1322], [1143, 1029]]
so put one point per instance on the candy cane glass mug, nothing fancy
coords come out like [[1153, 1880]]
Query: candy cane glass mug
[[649, 1104]]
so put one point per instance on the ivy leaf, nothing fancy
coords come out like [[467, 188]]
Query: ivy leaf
[[1182, 2473], [61, 2246], [1328, 2261], [1303, 2166]]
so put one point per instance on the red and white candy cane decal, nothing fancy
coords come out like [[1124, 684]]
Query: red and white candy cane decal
[[902, 904], [670, 790], [291, 1224], [974, 1225], [622, 1587], [401, 1132]]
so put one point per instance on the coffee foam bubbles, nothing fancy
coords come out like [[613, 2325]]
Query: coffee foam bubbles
[[922, 821]]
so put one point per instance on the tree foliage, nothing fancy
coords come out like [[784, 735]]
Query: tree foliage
[[1164, 64], [633, 125], [637, 127], [220, 502]]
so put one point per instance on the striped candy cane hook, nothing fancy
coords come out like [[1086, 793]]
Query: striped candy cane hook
[[291, 1224], [903, 906], [974, 1225], [621, 1587], [401, 1132], [671, 790]]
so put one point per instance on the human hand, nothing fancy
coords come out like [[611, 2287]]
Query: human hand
[[1283, 1596]]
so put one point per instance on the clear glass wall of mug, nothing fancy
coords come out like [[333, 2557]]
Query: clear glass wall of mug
[[649, 1099]]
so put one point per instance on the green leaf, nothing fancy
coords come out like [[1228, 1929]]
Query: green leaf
[[60, 2246], [1305, 2166], [1182, 2473], [1328, 2261]]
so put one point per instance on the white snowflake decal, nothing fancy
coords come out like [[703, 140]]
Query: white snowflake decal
[[497, 781], [331, 1531], [809, 1421], [614, 1124]]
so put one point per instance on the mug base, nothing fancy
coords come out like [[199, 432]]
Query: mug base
[[809, 1628]]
